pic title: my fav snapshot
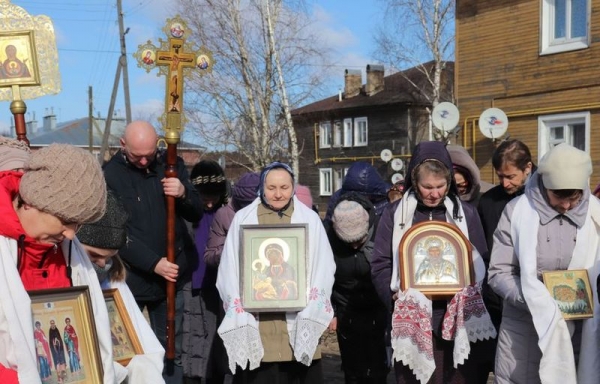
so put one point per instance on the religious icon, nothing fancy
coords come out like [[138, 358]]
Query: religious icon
[[274, 277], [124, 339], [65, 336], [18, 64], [273, 261], [439, 263], [148, 57], [435, 258], [572, 291], [202, 62], [177, 30]]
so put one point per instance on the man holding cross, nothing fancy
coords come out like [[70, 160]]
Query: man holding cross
[[137, 175]]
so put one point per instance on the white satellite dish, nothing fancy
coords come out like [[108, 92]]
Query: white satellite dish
[[493, 123], [397, 164], [445, 116], [386, 155], [396, 177]]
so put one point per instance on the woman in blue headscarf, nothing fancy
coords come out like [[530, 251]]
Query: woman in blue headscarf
[[279, 346]]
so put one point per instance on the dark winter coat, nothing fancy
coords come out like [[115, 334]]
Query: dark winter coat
[[142, 195], [363, 178]]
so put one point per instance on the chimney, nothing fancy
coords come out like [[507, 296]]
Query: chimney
[[353, 83], [32, 125], [374, 79], [49, 121]]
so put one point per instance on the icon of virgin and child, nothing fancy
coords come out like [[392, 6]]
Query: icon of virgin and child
[[273, 278], [438, 265]]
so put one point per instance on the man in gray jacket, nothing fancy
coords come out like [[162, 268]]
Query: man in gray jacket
[[552, 226]]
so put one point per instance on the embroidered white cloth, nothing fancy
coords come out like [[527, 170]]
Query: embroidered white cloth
[[412, 342], [466, 321], [558, 363], [479, 326], [239, 329]]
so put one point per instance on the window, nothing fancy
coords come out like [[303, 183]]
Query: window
[[571, 128], [325, 181], [348, 132], [565, 25], [337, 134], [325, 135], [361, 132], [338, 178]]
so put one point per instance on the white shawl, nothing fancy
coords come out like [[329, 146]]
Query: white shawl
[[146, 368], [558, 363], [17, 347], [239, 329]]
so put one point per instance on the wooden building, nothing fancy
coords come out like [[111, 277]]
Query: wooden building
[[388, 112], [537, 60]]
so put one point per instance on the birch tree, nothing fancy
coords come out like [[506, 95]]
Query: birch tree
[[417, 32], [267, 61]]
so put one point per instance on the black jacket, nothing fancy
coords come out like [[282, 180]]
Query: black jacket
[[141, 193], [353, 288]]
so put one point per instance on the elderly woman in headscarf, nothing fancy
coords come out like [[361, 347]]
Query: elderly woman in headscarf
[[276, 346], [431, 194]]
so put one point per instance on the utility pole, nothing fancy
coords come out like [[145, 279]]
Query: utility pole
[[91, 118], [123, 62], [121, 66]]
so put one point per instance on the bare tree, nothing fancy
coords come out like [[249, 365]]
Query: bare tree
[[418, 33], [267, 61]]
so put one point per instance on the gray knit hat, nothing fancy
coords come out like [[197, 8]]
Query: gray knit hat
[[110, 232], [65, 181], [13, 154], [350, 221]]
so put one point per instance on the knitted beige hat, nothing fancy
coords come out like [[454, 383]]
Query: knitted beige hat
[[65, 181], [13, 154], [565, 167], [350, 221]]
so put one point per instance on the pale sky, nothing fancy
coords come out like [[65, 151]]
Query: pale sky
[[87, 38]]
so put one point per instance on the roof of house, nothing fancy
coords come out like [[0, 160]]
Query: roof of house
[[76, 132], [397, 90]]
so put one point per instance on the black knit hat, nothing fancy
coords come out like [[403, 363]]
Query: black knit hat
[[208, 178], [110, 232]]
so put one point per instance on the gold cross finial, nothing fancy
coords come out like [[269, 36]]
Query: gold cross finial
[[173, 58]]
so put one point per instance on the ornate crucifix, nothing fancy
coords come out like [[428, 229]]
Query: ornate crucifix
[[174, 58]]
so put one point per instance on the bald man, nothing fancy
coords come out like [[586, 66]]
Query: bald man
[[137, 175]]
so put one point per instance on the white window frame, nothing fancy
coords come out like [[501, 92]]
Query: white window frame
[[567, 120], [550, 45], [337, 134], [359, 140], [325, 134], [348, 132], [325, 181], [338, 178]]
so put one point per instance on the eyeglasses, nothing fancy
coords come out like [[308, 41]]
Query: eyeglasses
[[464, 184]]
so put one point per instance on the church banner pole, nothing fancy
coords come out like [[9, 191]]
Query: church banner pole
[[174, 58]]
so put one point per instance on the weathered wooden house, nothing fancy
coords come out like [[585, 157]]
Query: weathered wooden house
[[388, 112], [537, 60]]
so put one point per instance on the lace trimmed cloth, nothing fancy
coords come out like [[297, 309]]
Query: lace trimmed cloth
[[466, 320]]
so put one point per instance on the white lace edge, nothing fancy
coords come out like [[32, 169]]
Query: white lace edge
[[243, 346], [305, 342], [408, 354]]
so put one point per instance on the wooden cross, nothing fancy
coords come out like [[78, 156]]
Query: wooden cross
[[173, 57]]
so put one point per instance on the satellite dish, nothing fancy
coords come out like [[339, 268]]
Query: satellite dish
[[445, 116], [396, 177], [386, 155], [397, 164], [493, 123]]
